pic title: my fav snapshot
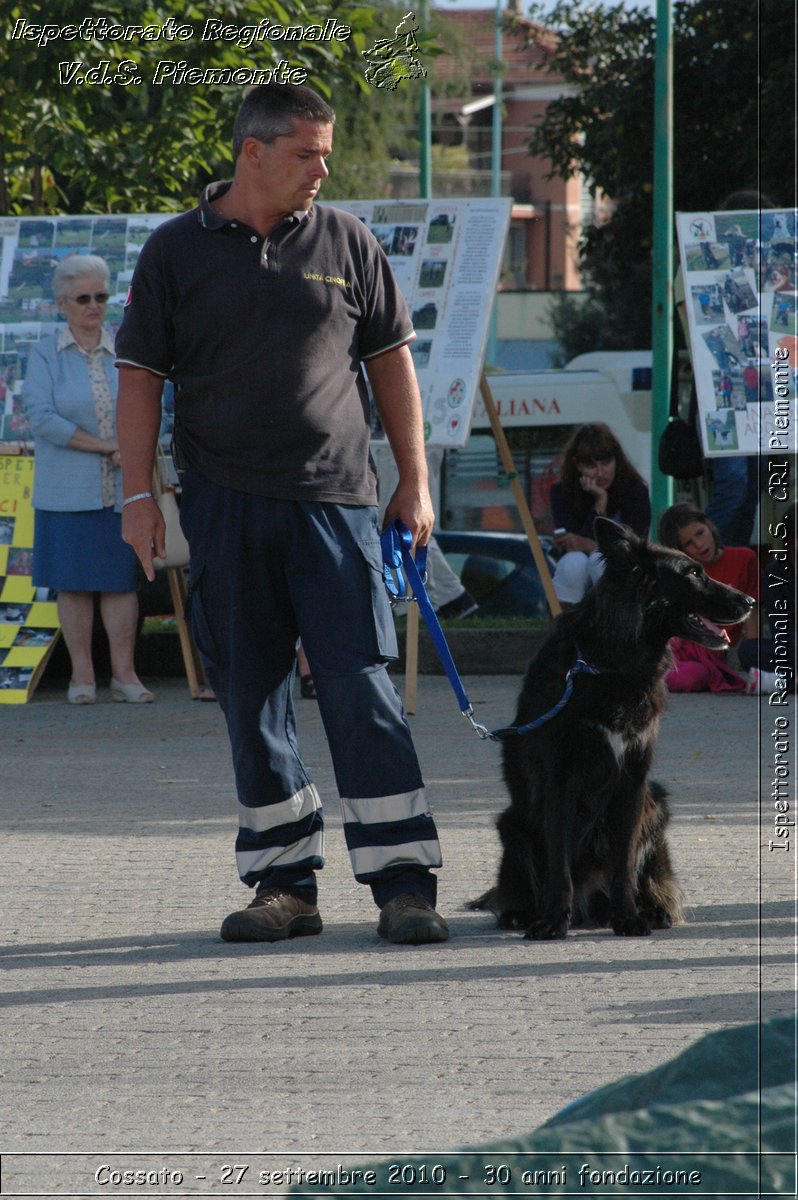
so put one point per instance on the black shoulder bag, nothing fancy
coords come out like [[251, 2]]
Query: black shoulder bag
[[679, 453]]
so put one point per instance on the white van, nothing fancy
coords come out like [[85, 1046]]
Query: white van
[[539, 411]]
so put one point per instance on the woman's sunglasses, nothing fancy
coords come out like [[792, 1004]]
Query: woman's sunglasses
[[86, 298]]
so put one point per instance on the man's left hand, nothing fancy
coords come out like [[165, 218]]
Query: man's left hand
[[414, 509]]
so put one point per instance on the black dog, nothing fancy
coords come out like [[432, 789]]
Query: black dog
[[584, 837]]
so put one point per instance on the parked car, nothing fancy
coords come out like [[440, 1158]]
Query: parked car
[[499, 571]]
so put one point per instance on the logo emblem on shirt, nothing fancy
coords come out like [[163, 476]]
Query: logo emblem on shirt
[[337, 280]]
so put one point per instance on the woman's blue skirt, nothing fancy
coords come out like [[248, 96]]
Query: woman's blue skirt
[[82, 552]]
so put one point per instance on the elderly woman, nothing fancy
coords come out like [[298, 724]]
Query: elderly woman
[[70, 396]]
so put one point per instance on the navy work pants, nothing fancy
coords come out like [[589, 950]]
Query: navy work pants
[[263, 573]]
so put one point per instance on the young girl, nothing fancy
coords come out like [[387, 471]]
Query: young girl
[[697, 668], [773, 657], [597, 480]]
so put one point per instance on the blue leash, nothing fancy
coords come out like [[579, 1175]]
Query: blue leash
[[579, 667], [398, 563], [400, 569]]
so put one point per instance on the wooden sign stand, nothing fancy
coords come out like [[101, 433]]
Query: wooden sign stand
[[195, 673], [411, 643], [520, 498]]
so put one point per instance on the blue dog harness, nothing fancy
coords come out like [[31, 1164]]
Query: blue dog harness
[[400, 569]]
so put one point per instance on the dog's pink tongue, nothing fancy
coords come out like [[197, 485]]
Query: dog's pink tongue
[[718, 630]]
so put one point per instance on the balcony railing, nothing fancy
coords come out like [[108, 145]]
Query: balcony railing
[[404, 183]]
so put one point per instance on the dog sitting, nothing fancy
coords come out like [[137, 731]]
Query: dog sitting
[[583, 839]]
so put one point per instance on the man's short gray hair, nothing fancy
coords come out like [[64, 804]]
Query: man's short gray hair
[[269, 111], [78, 266]]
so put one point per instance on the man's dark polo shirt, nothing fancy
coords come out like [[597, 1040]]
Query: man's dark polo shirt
[[263, 339]]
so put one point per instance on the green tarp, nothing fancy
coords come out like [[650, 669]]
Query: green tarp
[[718, 1120]]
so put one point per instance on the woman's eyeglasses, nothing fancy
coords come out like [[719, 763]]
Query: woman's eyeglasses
[[86, 298]]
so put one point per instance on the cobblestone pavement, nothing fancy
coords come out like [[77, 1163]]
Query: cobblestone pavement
[[129, 1026]]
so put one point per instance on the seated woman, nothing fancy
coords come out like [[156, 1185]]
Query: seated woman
[[696, 668], [597, 479]]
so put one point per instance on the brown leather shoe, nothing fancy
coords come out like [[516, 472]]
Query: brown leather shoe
[[273, 916], [411, 920]]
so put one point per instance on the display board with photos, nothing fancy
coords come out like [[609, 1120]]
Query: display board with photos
[[29, 626], [739, 276], [30, 250], [446, 255]]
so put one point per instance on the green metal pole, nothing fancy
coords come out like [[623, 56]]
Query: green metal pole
[[662, 284], [425, 126], [496, 166], [496, 156]]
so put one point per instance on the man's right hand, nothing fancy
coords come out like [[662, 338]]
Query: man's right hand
[[144, 529]]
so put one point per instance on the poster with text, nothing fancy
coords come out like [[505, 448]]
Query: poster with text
[[739, 273], [29, 627], [446, 256]]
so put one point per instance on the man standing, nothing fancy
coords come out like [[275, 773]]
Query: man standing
[[260, 306]]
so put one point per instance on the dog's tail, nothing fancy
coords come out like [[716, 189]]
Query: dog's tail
[[661, 883], [668, 896], [487, 902]]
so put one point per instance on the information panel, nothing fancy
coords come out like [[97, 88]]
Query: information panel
[[739, 273], [446, 256], [30, 250]]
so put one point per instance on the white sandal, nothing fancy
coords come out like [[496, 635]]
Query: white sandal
[[82, 693], [130, 693], [760, 683]]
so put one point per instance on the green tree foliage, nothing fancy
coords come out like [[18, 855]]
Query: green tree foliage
[[733, 91], [375, 128], [379, 129], [128, 146], [373, 131]]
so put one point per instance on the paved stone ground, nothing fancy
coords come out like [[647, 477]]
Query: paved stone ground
[[130, 1027]]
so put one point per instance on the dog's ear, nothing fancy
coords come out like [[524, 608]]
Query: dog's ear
[[614, 540]]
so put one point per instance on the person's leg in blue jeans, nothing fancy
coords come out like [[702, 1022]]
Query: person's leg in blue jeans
[[734, 497]]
